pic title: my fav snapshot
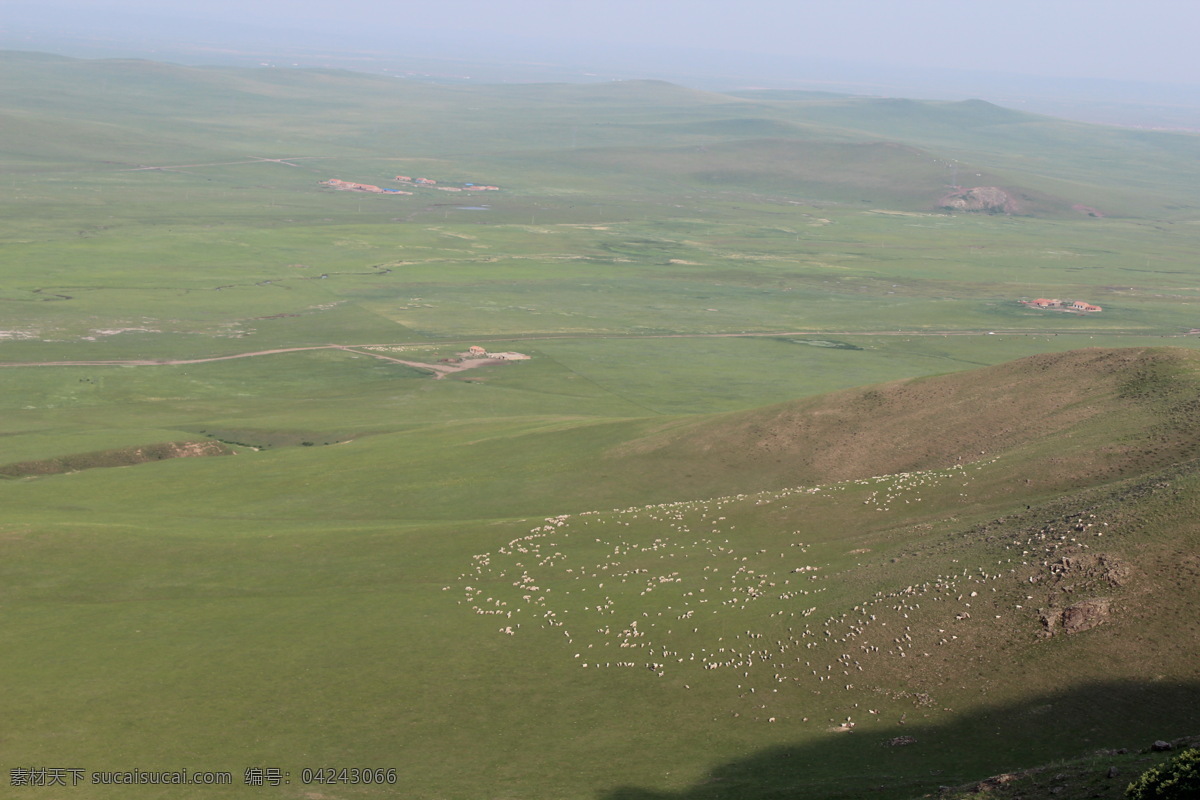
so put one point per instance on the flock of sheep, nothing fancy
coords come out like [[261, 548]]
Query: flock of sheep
[[707, 594]]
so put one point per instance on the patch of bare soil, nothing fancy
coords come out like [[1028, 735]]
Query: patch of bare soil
[[440, 370]]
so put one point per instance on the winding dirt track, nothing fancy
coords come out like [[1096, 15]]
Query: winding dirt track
[[439, 370]]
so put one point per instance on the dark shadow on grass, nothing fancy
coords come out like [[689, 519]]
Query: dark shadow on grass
[[974, 746]]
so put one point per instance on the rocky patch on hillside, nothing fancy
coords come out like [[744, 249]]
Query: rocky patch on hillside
[[1078, 617]]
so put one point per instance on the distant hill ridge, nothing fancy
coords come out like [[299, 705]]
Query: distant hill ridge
[[660, 131]]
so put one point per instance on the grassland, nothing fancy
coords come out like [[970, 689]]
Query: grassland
[[705, 283]]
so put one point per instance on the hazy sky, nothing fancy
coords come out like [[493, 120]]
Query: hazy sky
[[1132, 39]]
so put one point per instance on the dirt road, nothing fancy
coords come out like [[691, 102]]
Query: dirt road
[[441, 370]]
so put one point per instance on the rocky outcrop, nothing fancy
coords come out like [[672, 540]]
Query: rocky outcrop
[[1078, 617]]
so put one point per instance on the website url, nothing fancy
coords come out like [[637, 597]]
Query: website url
[[177, 778]]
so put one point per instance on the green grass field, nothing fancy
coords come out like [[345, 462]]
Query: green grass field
[[678, 550]]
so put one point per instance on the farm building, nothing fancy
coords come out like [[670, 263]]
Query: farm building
[[1081, 305]]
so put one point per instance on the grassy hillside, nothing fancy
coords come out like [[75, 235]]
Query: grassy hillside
[[789, 476], [941, 421]]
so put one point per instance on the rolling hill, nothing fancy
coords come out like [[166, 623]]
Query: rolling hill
[[1012, 576], [1108, 399]]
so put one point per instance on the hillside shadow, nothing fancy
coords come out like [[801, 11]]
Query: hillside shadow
[[1048, 728]]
